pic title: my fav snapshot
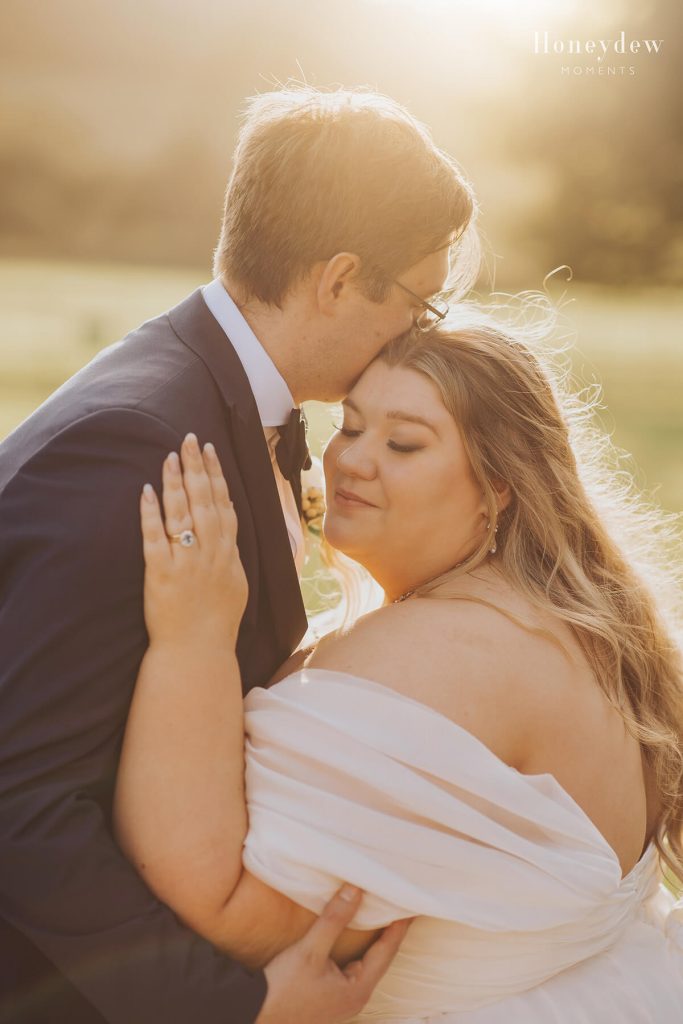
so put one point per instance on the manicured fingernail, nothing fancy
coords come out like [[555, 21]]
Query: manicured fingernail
[[210, 450], [191, 442], [173, 462], [349, 893], [148, 492]]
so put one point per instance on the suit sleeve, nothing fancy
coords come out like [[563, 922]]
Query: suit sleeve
[[72, 636]]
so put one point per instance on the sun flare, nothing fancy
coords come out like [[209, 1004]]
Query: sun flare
[[541, 13]]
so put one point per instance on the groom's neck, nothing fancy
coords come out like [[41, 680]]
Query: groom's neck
[[281, 330]]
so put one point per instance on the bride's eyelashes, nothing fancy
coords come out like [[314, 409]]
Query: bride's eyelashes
[[402, 449]]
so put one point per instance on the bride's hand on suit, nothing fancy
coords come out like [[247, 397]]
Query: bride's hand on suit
[[195, 586]]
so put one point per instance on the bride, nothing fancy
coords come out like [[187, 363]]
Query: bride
[[497, 752]]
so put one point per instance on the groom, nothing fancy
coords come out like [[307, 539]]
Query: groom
[[337, 221]]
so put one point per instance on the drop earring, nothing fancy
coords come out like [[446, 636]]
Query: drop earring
[[494, 546]]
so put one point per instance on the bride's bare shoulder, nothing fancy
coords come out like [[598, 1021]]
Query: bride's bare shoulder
[[483, 659], [485, 622]]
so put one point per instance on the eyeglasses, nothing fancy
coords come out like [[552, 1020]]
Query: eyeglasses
[[432, 312]]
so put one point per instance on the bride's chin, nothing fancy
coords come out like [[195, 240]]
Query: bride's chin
[[337, 537]]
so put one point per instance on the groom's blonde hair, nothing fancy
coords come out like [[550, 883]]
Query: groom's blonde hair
[[317, 173]]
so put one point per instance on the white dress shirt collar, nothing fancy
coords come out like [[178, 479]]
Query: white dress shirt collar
[[273, 398]]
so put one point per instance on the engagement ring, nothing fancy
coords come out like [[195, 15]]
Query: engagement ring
[[186, 539]]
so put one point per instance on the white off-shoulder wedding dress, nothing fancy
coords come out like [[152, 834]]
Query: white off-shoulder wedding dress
[[521, 913]]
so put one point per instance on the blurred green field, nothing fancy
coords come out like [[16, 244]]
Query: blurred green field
[[55, 316]]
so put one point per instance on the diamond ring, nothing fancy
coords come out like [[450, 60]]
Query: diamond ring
[[186, 539]]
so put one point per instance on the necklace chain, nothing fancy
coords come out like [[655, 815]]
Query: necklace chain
[[409, 593]]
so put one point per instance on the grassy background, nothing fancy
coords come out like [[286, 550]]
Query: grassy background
[[55, 316]]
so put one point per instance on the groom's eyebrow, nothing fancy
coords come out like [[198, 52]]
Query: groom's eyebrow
[[427, 293]]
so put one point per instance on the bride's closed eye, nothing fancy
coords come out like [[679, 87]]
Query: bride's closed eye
[[404, 449], [342, 428], [394, 446]]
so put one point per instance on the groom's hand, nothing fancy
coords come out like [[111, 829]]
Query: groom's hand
[[305, 986]]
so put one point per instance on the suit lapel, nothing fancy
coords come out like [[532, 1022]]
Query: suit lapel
[[196, 327]]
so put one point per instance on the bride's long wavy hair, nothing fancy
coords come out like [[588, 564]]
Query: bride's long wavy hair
[[575, 539]]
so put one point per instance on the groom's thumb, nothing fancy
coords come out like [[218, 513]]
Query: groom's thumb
[[336, 916]]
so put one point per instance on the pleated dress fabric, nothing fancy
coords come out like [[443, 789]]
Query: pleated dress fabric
[[521, 913]]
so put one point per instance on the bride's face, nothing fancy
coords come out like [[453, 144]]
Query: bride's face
[[401, 496]]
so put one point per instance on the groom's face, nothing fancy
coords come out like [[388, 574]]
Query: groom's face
[[361, 327]]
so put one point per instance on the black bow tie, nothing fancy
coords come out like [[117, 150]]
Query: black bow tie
[[292, 452]]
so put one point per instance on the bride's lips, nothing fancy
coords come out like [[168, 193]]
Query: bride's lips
[[347, 499]]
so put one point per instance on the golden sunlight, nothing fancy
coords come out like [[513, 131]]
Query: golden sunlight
[[538, 13]]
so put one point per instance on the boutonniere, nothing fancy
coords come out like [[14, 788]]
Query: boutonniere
[[313, 497]]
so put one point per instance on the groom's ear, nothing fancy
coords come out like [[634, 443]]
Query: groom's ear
[[335, 278]]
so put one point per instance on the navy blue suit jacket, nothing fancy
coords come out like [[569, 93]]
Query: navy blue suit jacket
[[81, 937]]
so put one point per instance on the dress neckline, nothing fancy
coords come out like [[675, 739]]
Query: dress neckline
[[645, 856]]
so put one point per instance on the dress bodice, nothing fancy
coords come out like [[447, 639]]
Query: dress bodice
[[509, 880]]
